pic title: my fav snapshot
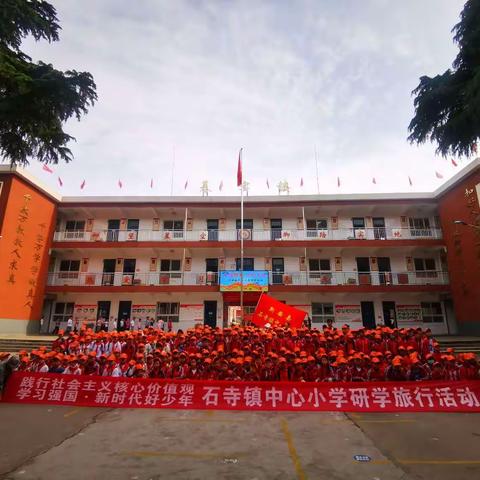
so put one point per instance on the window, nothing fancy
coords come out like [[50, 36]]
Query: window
[[321, 312], [170, 271], [174, 225], [432, 312], [75, 225], [317, 265], [425, 267], [358, 222], [319, 224], [170, 265], [69, 269], [74, 229], [420, 227], [248, 264], [247, 224], [168, 311], [62, 312]]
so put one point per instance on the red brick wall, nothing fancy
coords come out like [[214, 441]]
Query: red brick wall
[[463, 250]]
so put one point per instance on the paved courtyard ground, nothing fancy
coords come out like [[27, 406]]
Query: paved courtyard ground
[[49, 442]]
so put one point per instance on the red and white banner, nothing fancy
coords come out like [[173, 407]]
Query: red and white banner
[[23, 387]]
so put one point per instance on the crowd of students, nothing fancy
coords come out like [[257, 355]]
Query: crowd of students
[[253, 354]]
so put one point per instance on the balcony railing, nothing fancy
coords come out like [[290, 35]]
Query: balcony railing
[[326, 279], [281, 235]]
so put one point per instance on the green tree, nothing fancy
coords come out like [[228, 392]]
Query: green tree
[[447, 106], [35, 98]]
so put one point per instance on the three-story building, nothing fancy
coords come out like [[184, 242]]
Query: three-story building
[[359, 259]]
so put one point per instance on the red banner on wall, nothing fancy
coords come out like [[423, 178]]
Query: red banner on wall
[[113, 392]]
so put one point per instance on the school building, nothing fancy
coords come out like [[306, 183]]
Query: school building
[[361, 259]]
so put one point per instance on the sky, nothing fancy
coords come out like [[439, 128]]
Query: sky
[[182, 85]]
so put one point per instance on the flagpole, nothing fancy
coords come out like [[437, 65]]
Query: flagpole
[[316, 167], [173, 169], [241, 243]]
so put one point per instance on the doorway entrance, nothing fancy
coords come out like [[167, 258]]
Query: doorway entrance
[[113, 229], [389, 314], [368, 314], [278, 267], [108, 275], [124, 310], [212, 227], [363, 268], [275, 228], [210, 313], [384, 269]]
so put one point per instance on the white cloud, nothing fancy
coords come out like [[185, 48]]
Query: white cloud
[[275, 77]]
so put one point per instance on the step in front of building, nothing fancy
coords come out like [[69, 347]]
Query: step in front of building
[[15, 345]]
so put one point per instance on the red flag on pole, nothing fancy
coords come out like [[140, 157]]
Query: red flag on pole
[[151, 183], [82, 185], [338, 181], [60, 182], [268, 184], [410, 181], [46, 168], [454, 163], [438, 175], [186, 185], [271, 311], [120, 184], [220, 187], [239, 169]]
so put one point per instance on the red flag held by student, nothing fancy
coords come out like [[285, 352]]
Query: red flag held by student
[[186, 185], [151, 183], [60, 182], [301, 182], [454, 163], [338, 181], [220, 187], [374, 180], [275, 313], [82, 185], [46, 168], [268, 184], [410, 181], [120, 184], [239, 169], [438, 175]]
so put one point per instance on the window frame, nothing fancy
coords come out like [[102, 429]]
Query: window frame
[[432, 317], [323, 316], [169, 314]]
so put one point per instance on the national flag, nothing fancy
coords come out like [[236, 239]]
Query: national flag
[[410, 181], [301, 182], [239, 169], [46, 168], [268, 184], [374, 180], [220, 187], [151, 183], [438, 175], [82, 185], [454, 163], [275, 313], [120, 184], [186, 185], [60, 182], [338, 182]]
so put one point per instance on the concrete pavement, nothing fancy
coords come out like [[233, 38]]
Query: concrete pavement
[[47, 442]]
